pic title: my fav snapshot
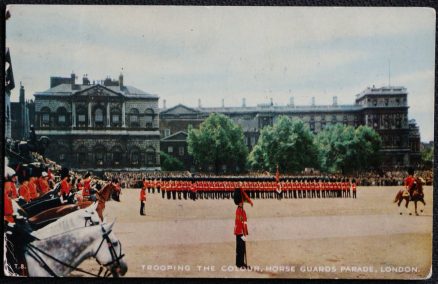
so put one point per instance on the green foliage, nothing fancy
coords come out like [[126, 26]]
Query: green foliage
[[427, 157], [218, 142], [288, 143], [170, 163], [345, 149]]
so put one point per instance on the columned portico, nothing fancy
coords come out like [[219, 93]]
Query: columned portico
[[89, 114], [73, 114], [107, 114], [123, 115]]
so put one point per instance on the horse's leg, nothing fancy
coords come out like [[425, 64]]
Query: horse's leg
[[407, 206], [415, 203]]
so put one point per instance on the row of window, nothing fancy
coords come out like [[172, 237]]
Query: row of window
[[101, 159], [61, 117]]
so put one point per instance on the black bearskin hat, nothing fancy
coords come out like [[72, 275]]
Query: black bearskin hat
[[64, 173], [237, 196]]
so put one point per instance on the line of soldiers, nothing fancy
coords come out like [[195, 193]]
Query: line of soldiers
[[261, 189]]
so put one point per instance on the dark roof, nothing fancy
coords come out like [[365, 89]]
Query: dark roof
[[68, 90], [177, 136], [184, 110]]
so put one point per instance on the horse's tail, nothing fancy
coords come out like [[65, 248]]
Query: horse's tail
[[398, 196]]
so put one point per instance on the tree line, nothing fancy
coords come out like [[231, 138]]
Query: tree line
[[218, 145]]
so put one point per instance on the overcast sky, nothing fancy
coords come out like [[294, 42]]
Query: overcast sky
[[184, 54]]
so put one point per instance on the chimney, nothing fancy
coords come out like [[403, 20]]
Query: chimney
[[199, 103], [223, 103], [164, 104], [313, 101], [291, 101], [121, 80], [335, 101], [72, 78], [85, 80], [243, 102]]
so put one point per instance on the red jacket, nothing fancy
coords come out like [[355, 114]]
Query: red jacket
[[143, 194], [65, 187], [33, 189], [24, 192], [43, 185], [10, 189], [409, 181], [240, 227]]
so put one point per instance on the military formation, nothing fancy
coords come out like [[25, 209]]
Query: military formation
[[256, 188]]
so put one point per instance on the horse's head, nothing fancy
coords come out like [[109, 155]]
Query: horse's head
[[90, 215], [109, 253]]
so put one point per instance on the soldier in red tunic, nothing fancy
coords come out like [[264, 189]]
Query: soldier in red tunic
[[143, 197], [240, 227]]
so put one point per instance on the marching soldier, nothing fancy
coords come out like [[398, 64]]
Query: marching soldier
[[240, 227]]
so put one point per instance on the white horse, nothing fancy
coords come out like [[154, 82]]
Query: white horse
[[77, 219], [61, 254]]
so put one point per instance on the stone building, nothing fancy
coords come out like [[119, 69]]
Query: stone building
[[384, 109], [103, 125], [22, 116]]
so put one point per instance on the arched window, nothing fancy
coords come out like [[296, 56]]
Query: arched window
[[45, 117], [116, 117], [134, 118], [149, 117], [117, 155], [99, 155], [61, 116], [134, 157], [82, 156], [81, 116], [150, 156]]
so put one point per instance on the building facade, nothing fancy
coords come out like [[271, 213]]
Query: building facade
[[384, 109], [102, 125]]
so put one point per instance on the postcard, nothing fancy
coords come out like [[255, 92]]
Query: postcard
[[219, 142]]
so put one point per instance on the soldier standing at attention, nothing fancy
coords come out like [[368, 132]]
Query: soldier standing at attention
[[142, 199], [353, 187], [240, 227]]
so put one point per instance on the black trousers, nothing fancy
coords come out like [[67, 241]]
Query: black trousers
[[240, 251], [141, 207]]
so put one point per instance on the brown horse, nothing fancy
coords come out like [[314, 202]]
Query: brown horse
[[103, 196], [50, 215], [414, 194]]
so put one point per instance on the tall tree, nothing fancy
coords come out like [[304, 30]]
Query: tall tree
[[217, 143], [345, 149], [289, 143]]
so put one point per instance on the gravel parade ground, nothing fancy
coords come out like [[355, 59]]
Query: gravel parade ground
[[363, 238]]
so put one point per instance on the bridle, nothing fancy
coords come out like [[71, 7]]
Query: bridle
[[33, 252]]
